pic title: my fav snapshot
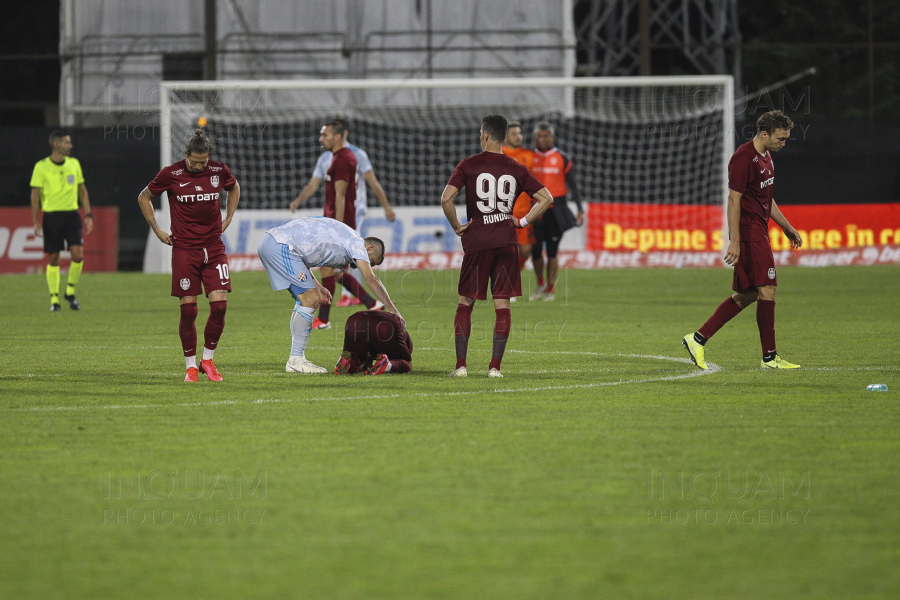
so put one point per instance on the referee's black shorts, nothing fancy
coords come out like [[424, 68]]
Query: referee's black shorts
[[62, 230]]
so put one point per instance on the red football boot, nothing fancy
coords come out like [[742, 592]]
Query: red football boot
[[320, 324], [209, 367], [381, 366], [344, 364]]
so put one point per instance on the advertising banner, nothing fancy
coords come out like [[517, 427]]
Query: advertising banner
[[614, 236], [23, 252], [655, 235]]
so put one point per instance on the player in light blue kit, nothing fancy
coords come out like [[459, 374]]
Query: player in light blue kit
[[290, 250], [365, 175]]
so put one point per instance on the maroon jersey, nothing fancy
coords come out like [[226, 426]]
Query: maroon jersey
[[194, 202], [492, 181], [753, 175], [343, 168], [372, 332]]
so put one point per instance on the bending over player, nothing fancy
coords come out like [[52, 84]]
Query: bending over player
[[290, 250], [375, 342]]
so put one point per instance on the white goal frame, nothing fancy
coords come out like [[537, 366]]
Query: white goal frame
[[158, 257]]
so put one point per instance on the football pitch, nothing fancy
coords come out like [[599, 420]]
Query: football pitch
[[603, 465]]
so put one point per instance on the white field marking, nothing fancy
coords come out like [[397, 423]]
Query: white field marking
[[853, 369], [713, 368]]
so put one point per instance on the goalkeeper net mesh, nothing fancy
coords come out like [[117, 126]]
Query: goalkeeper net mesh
[[632, 141]]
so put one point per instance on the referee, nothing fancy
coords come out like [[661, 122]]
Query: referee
[[57, 185]]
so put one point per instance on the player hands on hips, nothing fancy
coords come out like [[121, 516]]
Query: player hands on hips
[[751, 203], [194, 186], [289, 251], [490, 247]]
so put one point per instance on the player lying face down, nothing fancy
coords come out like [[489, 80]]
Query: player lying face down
[[375, 343]]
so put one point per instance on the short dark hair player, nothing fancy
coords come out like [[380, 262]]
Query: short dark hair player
[[751, 203], [490, 247]]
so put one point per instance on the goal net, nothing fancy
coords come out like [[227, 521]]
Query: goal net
[[637, 143]]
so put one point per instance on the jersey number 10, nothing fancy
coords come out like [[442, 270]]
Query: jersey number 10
[[495, 193]]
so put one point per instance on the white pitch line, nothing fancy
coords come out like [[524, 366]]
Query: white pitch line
[[713, 368]]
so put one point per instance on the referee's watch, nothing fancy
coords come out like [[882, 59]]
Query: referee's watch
[[91, 215]]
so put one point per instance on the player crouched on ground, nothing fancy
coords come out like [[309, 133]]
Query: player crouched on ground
[[375, 342]]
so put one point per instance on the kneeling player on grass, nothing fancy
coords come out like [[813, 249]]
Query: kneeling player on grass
[[375, 342], [290, 250], [751, 202], [490, 247]]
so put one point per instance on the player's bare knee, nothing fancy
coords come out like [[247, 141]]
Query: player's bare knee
[[767, 292], [745, 299], [309, 299]]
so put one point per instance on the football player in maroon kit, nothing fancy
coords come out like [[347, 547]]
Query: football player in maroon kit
[[194, 187], [490, 246], [375, 342], [751, 202], [340, 205]]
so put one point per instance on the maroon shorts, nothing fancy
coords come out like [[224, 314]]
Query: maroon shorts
[[499, 265], [192, 266], [755, 267]]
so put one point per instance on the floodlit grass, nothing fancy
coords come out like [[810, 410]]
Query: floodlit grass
[[603, 465]]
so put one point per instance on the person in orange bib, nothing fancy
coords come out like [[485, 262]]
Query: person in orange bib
[[554, 170], [513, 148]]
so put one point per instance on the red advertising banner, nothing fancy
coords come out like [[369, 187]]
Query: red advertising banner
[[23, 252], [649, 235]]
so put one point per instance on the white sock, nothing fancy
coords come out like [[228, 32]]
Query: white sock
[[207, 353], [301, 327], [190, 362]]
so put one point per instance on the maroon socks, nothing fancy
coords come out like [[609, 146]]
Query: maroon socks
[[325, 309], [462, 328], [724, 313], [215, 324], [187, 331], [501, 334]]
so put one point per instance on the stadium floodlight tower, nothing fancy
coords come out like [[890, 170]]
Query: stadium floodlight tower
[[634, 139]]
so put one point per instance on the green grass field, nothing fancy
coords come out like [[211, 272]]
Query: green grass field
[[603, 465]]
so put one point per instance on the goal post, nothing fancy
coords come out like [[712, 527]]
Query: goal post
[[636, 143]]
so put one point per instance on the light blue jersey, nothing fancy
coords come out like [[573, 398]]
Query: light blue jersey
[[363, 166], [321, 242]]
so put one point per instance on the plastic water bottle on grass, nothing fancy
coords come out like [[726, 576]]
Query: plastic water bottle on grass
[[876, 387]]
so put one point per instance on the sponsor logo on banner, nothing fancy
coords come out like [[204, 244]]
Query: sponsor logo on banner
[[23, 252]]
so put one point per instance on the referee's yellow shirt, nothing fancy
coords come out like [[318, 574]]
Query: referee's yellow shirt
[[58, 183]]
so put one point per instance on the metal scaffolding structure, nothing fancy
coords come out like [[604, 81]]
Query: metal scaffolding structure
[[619, 37]]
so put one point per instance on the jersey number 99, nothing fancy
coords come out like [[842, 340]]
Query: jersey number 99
[[495, 194]]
